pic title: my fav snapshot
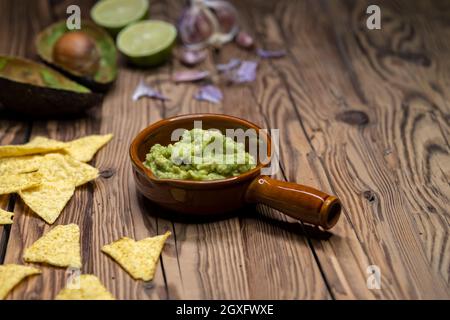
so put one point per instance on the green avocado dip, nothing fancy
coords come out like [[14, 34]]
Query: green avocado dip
[[200, 155]]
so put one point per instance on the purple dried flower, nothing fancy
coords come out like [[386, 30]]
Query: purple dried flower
[[143, 90], [245, 73], [209, 93], [189, 75], [223, 67], [267, 54]]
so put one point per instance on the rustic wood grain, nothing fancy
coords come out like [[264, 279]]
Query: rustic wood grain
[[12, 129], [300, 162], [21, 45], [409, 64], [324, 83]]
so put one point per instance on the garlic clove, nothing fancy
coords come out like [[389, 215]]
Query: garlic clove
[[244, 40]]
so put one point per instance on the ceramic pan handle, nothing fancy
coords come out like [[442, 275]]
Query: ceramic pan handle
[[298, 201]]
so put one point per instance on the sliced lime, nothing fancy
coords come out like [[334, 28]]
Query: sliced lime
[[116, 14], [147, 43]]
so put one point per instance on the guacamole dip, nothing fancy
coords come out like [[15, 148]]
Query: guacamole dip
[[200, 155]]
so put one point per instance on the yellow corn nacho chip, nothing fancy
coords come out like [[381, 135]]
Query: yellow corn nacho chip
[[49, 199], [59, 247], [57, 167], [44, 141], [85, 148], [6, 217], [61, 174], [85, 287], [138, 258], [22, 164], [35, 146], [11, 275], [18, 182], [81, 172]]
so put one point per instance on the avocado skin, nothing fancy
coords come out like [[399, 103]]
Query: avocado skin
[[38, 101]]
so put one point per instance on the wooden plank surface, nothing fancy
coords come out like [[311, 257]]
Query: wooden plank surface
[[362, 114], [354, 154]]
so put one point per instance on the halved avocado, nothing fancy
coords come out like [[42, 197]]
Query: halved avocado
[[106, 73], [34, 89]]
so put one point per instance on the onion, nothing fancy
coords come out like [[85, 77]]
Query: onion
[[207, 22], [209, 93], [189, 75]]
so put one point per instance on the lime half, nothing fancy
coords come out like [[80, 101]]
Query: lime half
[[116, 14], [147, 43]]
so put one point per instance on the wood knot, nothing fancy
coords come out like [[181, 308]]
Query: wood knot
[[108, 173], [369, 195], [353, 117]]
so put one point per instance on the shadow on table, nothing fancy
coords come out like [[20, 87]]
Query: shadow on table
[[291, 225], [248, 212], [10, 115]]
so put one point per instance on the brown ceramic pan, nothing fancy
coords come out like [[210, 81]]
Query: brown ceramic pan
[[216, 197]]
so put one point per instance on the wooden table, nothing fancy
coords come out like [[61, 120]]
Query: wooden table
[[363, 114]]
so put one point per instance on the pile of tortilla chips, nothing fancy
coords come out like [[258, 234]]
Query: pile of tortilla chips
[[61, 247], [45, 172]]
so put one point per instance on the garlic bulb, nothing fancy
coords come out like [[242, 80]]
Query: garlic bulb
[[208, 22]]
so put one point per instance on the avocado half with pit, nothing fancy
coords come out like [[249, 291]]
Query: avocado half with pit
[[88, 55], [34, 89]]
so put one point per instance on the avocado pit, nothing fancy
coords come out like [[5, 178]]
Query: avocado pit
[[77, 51]]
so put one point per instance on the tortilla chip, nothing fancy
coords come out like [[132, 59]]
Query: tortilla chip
[[49, 199], [17, 182], [85, 148], [81, 172], [37, 145], [44, 141], [23, 164], [61, 174], [6, 217], [86, 287], [59, 247], [57, 167], [11, 275], [138, 258]]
